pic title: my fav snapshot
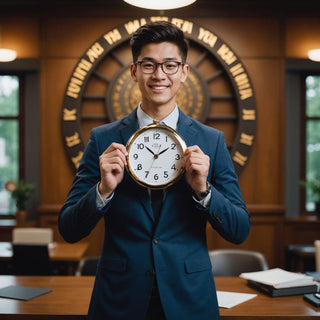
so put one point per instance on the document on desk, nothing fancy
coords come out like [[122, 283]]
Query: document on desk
[[230, 299]]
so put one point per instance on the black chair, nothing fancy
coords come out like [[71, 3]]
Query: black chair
[[233, 262], [31, 259], [87, 266]]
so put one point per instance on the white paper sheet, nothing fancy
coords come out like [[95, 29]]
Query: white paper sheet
[[230, 299]]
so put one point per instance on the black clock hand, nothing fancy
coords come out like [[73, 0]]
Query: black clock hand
[[163, 151], [149, 150]]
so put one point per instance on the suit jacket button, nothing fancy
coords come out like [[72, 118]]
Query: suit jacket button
[[149, 273], [156, 240]]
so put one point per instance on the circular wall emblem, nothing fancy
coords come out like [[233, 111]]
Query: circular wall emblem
[[218, 91]]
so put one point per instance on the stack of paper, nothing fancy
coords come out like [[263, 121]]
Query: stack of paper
[[278, 282]]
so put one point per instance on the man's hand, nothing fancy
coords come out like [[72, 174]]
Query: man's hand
[[112, 165], [196, 164]]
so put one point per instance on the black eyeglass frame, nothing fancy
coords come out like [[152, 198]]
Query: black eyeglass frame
[[156, 64]]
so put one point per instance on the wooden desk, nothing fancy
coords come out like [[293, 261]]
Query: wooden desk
[[61, 252], [71, 296]]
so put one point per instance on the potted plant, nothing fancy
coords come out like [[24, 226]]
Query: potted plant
[[314, 186], [21, 193]]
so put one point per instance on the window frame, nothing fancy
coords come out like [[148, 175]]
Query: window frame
[[21, 126], [303, 126], [29, 70]]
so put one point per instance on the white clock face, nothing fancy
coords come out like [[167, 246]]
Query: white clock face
[[155, 156]]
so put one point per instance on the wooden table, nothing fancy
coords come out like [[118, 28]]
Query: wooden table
[[59, 252], [71, 296]]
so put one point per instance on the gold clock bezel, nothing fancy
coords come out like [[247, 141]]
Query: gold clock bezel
[[175, 135]]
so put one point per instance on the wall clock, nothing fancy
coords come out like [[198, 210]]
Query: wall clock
[[218, 91]]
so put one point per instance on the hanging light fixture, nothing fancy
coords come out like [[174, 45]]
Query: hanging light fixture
[[6, 55], [314, 55], [160, 4]]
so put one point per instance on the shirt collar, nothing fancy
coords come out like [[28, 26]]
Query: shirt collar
[[171, 120]]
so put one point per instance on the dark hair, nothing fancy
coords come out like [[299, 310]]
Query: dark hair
[[156, 32]]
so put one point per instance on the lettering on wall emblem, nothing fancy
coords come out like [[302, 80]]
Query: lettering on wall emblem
[[101, 77]]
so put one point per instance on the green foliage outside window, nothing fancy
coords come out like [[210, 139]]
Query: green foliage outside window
[[9, 138], [312, 137]]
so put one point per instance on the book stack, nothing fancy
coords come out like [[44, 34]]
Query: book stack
[[278, 282]]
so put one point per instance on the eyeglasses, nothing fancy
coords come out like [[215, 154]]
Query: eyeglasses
[[168, 67]]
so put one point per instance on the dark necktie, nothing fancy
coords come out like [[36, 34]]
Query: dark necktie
[[156, 202]]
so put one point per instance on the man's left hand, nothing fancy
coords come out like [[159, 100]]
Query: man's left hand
[[196, 164]]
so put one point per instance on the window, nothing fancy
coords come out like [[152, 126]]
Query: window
[[10, 129], [311, 143]]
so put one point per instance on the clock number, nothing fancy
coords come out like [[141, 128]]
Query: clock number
[[146, 139], [165, 174], [135, 156], [155, 177], [173, 167], [177, 157], [147, 173], [140, 146], [139, 166], [173, 146], [156, 136]]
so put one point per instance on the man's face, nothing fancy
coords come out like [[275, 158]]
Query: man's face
[[159, 89]]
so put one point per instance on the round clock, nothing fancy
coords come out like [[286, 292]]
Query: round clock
[[155, 154]]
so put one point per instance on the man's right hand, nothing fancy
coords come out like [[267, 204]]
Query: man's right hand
[[112, 165]]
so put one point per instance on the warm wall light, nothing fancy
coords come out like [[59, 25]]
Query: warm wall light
[[160, 4], [7, 55], [314, 55]]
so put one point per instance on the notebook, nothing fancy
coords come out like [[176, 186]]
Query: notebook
[[22, 293]]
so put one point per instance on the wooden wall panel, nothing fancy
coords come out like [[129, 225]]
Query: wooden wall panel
[[248, 37], [302, 35], [21, 34], [57, 174]]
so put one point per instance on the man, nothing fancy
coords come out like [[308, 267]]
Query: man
[[150, 270]]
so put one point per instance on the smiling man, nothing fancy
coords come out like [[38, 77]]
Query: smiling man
[[154, 264]]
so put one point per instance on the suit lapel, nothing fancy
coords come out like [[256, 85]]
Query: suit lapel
[[129, 127], [186, 129]]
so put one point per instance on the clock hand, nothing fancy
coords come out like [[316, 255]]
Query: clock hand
[[163, 151], [154, 157], [149, 150]]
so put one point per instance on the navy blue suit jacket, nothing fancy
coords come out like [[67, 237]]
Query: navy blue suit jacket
[[135, 248]]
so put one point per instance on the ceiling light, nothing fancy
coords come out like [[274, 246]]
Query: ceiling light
[[314, 55], [7, 55], [160, 4]]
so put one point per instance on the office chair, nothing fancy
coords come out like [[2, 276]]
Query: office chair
[[233, 262], [87, 266], [30, 251]]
